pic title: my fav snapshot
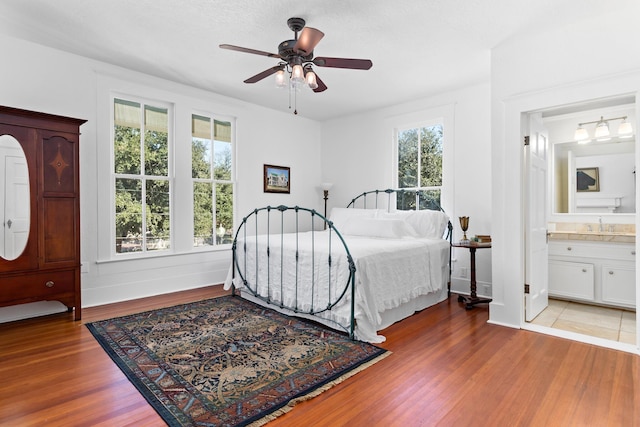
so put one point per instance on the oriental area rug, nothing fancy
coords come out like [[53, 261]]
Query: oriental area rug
[[228, 362]]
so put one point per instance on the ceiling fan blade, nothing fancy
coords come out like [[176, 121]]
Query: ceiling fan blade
[[247, 50], [309, 38], [321, 86], [262, 75], [354, 64]]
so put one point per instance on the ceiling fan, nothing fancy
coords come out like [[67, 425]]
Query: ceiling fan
[[296, 58]]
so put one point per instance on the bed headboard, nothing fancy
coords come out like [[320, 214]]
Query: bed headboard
[[400, 199]]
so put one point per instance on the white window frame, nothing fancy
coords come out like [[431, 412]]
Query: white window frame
[[443, 115], [232, 181], [183, 105], [171, 177]]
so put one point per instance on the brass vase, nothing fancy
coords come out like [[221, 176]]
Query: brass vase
[[464, 224]]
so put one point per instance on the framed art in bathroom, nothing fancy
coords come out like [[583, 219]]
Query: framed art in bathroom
[[587, 179]]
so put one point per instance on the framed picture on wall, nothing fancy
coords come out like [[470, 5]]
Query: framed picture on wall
[[277, 179], [587, 179]]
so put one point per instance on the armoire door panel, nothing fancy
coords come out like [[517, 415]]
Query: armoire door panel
[[58, 165], [60, 232]]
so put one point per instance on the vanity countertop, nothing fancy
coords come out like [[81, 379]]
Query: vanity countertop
[[594, 236]]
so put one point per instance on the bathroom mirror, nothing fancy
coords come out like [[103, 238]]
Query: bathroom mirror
[[596, 176], [609, 169], [14, 198]]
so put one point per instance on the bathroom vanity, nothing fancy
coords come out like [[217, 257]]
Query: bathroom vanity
[[598, 268]]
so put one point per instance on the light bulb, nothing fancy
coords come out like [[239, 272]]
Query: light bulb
[[310, 79], [297, 75], [625, 130], [602, 130], [581, 134], [280, 78]]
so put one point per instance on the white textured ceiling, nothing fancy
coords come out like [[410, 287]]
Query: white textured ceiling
[[418, 47]]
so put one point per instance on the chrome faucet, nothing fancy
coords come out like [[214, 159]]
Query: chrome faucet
[[601, 227]]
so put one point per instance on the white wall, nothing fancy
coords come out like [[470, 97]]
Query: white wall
[[42, 79], [357, 156], [556, 67]]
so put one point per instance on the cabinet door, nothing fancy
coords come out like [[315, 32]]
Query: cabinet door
[[28, 260], [619, 285], [571, 279], [60, 209]]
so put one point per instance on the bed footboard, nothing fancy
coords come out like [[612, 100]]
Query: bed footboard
[[294, 259]]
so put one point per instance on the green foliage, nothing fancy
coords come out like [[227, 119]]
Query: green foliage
[[424, 144], [210, 189], [128, 196], [420, 163]]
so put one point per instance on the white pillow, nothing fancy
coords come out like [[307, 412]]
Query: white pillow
[[390, 228], [339, 216], [426, 223]]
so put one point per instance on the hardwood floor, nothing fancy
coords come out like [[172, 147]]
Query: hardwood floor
[[448, 367]]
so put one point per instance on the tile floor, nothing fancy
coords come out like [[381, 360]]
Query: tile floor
[[602, 322]]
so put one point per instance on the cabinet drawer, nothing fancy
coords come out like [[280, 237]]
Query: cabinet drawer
[[620, 252], [36, 285]]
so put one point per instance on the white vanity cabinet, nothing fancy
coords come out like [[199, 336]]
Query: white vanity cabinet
[[596, 272]]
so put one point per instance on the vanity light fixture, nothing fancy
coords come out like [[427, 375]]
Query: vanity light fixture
[[601, 132], [625, 130]]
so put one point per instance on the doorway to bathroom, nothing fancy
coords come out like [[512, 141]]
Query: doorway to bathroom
[[580, 241]]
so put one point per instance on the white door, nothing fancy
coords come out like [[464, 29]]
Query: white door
[[16, 217], [536, 249]]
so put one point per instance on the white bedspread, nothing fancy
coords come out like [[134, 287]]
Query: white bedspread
[[389, 273]]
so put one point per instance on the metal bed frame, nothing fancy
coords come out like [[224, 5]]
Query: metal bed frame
[[275, 219]]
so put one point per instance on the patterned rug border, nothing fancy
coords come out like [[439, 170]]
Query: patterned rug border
[[258, 421]]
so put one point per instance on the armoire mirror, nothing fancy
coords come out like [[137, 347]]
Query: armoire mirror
[[14, 198]]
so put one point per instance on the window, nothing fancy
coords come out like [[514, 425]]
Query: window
[[419, 155], [211, 165], [141, 177]]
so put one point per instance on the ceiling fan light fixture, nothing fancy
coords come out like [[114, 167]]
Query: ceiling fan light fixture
[[280, 79], [297, 75], [310, 79]]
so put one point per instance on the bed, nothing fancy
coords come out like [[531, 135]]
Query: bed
[[367, 266]]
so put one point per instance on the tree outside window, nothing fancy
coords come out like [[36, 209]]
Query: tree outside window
[[420, 164], [212, 181], [141, 175]]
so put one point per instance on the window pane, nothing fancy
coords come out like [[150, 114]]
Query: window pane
[[431, 156], [427, 199], [222, 165], [126, 138], [224, 213], [158, 214], [201, 158], [128, 215], [200, 147], [202, 214], [408, 158], [430, 199], [156, 142]]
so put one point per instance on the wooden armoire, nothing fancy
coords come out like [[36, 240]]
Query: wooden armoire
[[49, 266]]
